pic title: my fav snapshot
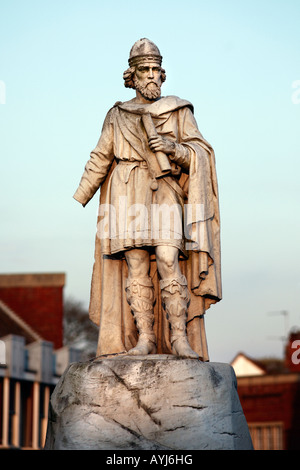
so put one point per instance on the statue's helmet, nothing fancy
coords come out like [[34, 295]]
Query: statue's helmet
[[142, 51]]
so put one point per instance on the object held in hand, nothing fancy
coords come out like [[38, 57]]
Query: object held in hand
[[162, 158]]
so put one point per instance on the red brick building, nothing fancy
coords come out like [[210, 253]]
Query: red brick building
[[270, 397], [38, 300], [32, 355]]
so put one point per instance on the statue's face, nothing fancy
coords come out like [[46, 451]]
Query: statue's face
[[147, 80]]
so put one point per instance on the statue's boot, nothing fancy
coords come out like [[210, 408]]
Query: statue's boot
[[140, 296], [175, 299]]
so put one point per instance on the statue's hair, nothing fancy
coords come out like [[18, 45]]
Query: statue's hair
[[129, 73]]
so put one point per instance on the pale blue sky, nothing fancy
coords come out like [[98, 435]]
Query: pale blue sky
[[236, 61]]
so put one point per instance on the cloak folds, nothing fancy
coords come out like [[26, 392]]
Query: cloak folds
[[109, 309]]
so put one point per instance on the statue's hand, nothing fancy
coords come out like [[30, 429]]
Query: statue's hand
[[162, 144]]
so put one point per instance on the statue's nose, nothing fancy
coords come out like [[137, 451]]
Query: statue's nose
[[150, 73]]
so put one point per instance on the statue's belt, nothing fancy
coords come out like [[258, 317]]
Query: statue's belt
[[143, 164]]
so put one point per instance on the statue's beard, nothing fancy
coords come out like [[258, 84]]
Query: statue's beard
[[150, 92]]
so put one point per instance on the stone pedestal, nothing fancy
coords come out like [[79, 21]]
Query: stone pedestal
[[155, 402]]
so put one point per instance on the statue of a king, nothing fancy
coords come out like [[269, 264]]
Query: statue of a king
[[157, 254]]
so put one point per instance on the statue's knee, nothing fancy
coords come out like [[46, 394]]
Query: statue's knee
[[167, 260], [169, 263], [138, 263]]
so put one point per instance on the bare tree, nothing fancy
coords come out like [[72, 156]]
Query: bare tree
[[79, 331]]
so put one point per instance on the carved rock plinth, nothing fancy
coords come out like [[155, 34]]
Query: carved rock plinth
[[147, 402]]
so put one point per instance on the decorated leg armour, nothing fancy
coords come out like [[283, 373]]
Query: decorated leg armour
[[140, 296], [176, 298]]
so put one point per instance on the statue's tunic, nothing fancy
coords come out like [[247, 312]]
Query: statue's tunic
[[120, 165]]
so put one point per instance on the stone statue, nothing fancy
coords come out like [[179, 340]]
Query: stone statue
[[157, 253]]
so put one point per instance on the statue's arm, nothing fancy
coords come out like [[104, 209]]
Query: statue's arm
[[189, 138], [98, 165], [181, 156]]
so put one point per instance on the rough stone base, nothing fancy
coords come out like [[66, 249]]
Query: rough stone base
[[147, 402]]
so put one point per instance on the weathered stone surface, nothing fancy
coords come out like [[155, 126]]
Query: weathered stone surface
[[147, 402]]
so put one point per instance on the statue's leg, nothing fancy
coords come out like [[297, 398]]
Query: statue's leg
[[175, 299], [140, 296]]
